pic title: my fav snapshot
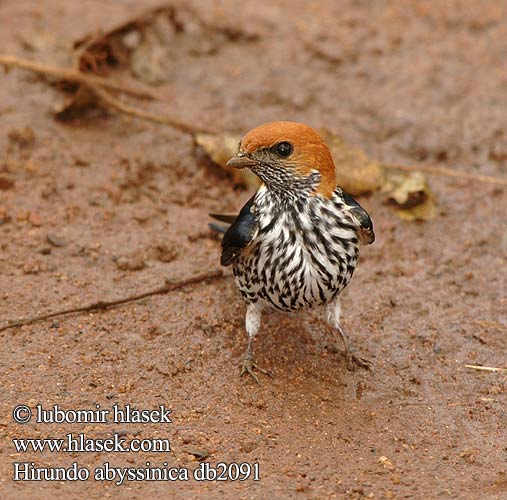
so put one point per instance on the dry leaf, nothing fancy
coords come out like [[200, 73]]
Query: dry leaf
[[75, 103], [409, 193], [355, 171], [150, 40], [220, 149], [358, 174]]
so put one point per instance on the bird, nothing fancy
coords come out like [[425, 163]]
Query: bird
[[294, 245]]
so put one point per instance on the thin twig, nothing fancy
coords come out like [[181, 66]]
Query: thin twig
[[146, 115], [98, 84], [76, 76], [449, 172], [487, 368], [169, 286]]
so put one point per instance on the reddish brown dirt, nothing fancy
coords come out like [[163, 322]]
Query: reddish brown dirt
[[408, 82]]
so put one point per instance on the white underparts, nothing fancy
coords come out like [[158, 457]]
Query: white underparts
[[303, 254]]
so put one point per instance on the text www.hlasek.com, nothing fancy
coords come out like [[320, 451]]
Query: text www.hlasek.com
[[80, 443]]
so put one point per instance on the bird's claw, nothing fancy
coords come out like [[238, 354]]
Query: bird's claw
[[249, 366]]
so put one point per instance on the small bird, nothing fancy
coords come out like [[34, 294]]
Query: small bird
[[294, 244]]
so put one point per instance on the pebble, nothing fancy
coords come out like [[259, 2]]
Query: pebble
[[55, 240]]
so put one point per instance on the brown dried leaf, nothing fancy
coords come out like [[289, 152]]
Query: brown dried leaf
[[356, 173], [100, 52], [73, 105], [409, 193], [359, 174], [221, 148], [149, 40]]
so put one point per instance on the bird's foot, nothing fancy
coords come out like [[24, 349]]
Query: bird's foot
[[249, 366], [354, 361]]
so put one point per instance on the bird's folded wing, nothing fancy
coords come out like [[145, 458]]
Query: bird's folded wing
[[366, 233], [239, 235]]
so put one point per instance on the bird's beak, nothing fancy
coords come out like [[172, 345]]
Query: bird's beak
[[241, 162]]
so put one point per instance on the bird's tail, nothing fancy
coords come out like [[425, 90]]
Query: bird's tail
[[217, 228], [229, 219]]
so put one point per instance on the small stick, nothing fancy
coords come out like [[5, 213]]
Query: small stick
[[487, 368], [169, 286], [146, 115], [75, 76], [449, 172]]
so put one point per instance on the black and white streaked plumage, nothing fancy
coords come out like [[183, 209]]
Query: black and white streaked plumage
[[295, 243]]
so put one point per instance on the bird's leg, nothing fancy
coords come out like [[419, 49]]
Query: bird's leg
[[249, 364], [253, 323], [333, 317]]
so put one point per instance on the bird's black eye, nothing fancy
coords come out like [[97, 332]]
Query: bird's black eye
[[283, 148]]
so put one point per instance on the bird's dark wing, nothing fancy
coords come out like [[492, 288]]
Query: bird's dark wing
[[224, 218], [240, 233], [366, 233]]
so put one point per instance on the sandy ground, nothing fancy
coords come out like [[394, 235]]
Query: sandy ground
[[409, 82]]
